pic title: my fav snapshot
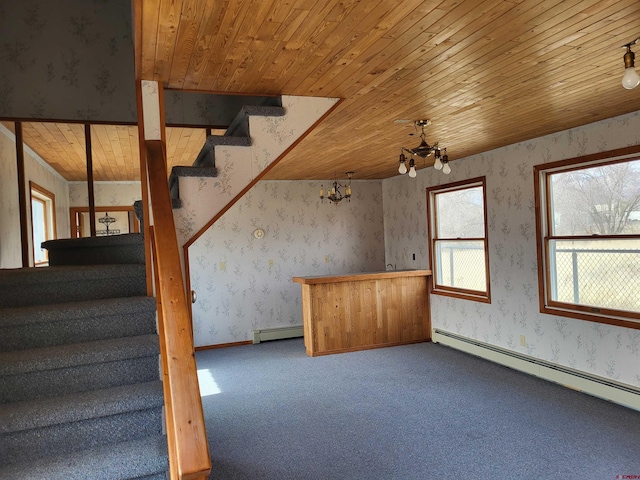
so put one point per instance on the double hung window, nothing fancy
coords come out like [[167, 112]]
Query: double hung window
[[458, 252], [588, 222]]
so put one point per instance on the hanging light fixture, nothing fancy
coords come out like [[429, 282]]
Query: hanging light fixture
[[630, 79], [334, 194], [422, 151]]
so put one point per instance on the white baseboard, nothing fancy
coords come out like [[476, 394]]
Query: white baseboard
[[277, 333], [616, 392]]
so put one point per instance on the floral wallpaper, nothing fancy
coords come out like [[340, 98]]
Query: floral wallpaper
[[36, 170], [244, 283], [105, 194], [608, 351], [67, 59]]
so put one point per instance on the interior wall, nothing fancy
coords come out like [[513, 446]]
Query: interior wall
[[244, 283], [10, 256], [105, 194], [608, 351], [67, 59], [36, 170]]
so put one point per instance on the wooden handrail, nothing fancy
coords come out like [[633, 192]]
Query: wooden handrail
[[186, 433]]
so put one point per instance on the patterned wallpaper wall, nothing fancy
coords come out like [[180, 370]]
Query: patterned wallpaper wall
[[244, 283], [105, 194], [67, 59], [38, 171], [608, 351]]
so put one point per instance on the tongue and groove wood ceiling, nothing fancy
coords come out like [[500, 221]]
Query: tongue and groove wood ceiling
[[487, 73]]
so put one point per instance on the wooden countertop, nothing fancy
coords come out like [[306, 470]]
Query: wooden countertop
[[355, 277]]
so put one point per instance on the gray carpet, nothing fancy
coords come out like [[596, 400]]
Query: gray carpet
[[421, 411]]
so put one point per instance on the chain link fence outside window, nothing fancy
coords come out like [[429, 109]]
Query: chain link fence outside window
[[599, 277], [461, 265]]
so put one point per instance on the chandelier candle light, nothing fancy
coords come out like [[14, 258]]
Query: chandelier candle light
[[423, 151], [334, 194]]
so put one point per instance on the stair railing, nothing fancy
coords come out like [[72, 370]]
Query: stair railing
[[186, 433]]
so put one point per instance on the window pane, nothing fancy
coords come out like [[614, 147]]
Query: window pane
[[460, 214], [461, 264], [601, 273], [39, 230], [602, 200]]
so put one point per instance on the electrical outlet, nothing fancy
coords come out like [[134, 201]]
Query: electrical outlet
[[270, 262], [223, 266], [326, 259], [523, 341]]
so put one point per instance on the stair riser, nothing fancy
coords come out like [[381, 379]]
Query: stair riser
[[97, 256], [20, 295], [20, 337], [71, 437], [49, 383]]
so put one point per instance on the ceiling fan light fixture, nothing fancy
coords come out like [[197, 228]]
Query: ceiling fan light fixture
[[412, 168], [422, 151], [438, 162], [402, 169], [446, 168]]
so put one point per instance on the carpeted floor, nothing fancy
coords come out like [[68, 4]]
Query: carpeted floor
[[421, 411]]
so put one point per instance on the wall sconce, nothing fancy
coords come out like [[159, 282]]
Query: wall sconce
[[630, 79]]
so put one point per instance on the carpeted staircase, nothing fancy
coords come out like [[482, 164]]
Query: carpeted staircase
[[80, 393]]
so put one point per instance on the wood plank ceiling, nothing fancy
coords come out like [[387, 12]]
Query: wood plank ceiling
[[115, 151], [487, 73]]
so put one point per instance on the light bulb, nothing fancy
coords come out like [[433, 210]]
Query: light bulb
[[438, 164], [446, 169], [412, 172], [631, 79], [402, 169]]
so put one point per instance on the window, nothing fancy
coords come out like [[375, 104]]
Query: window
[[43, 222], [458, 254], [588, 224]]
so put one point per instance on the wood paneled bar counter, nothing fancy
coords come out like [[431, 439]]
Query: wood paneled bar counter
[[344, 313]]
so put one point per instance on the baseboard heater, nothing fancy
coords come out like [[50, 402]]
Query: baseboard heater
[[616, 392], [279, 333]]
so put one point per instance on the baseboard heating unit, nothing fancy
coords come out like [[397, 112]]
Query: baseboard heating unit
[[616, 392], [279, 333]]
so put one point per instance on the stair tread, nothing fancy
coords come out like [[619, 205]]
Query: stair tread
[[126, 460], [73, 310], [93, 242], [62, 273], [64, 356], [80, 406]]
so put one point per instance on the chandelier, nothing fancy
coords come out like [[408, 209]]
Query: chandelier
[[334, 194], [423, 151]]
